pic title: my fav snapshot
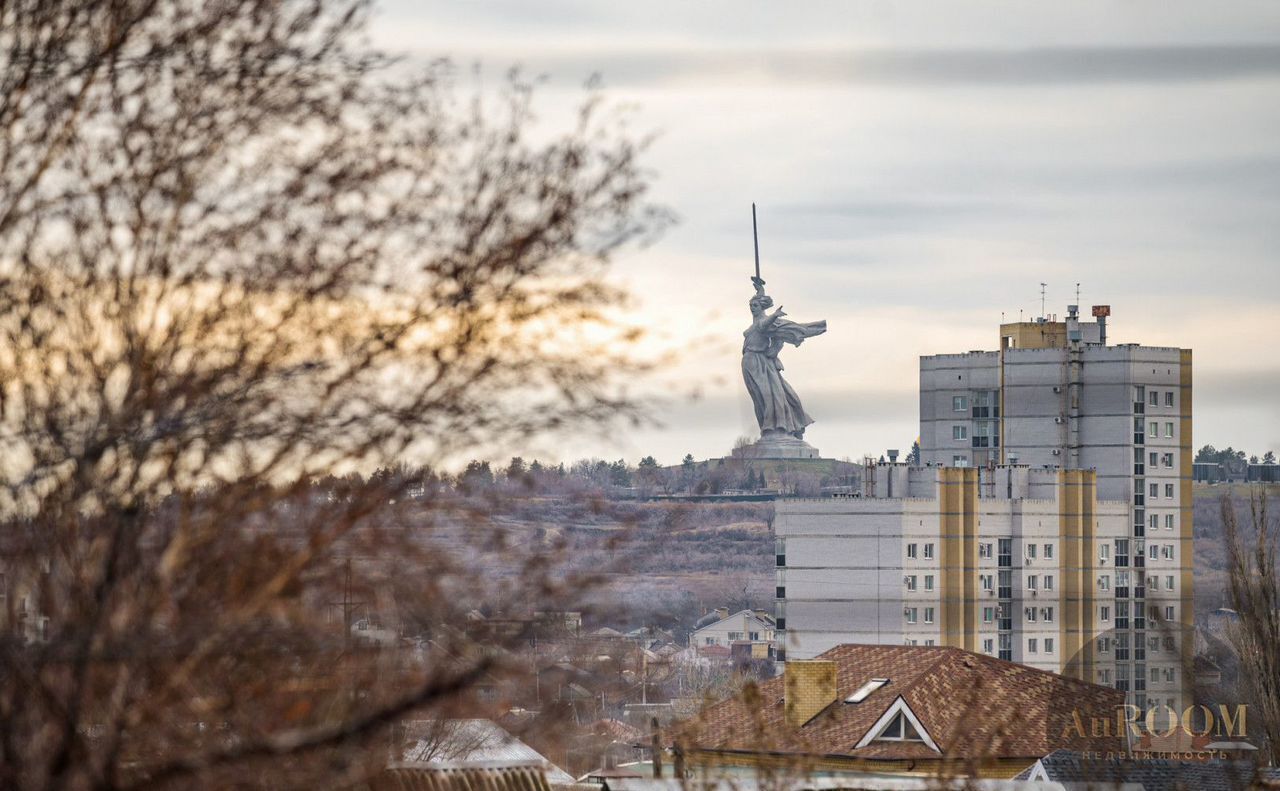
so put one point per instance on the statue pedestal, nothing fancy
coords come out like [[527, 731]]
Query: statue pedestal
[[777, 446]]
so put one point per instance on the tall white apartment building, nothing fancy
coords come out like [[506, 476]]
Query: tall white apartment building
[[1011, 561], [1055, 393]]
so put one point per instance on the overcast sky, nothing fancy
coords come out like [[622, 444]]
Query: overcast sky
[[920, 169]]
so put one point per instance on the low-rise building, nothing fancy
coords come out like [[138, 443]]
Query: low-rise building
[[719, 628], [910, 710]]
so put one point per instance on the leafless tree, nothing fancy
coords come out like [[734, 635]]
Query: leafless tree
[[241, 252], [1254, 578]]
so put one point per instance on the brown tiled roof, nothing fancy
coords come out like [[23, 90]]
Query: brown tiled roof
[[973, 706]]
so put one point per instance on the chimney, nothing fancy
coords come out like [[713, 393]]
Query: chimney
[[1100, 312], [722, 612], [809, 686]]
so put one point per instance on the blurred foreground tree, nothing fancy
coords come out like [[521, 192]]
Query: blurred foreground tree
[[1254, 574], [240, 253]]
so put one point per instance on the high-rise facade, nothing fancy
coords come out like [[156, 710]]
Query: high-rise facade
[[1055, 393], [1000, 560]]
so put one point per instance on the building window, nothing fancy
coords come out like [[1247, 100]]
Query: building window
[[1154, 396], [988, 646], [928, 551], [911, 550], [1104, 645], [928, 582], [1104, 582], [1104, 551], [1031, 645], [1031, 550], [911, 582], [1046, 614], [1048, 645], [1048, 582], [1168, 490], [1168, 582], [1166, 551], [986, 581], [959, 403], [899, 729], [1153, 429], [1168, 398], [1153, 490], [988, 614], [1031, 582], [1048, 551], [1168, 613], [959, 461], [1153, 551], [735, 635], [1167, 460], [928, 615], [911, 614], [1122, 647], [1104, 613], [984, 550], [1168, 521], [1168, 429], [961, 432], [1030, 614]]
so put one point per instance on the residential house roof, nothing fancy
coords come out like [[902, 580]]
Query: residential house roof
[[477, 741], [763, 618], [970, 706]]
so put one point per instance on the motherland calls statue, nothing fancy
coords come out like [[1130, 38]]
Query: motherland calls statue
[[779, 413]]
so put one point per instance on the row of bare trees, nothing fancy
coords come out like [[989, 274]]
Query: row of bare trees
[[240, 251]]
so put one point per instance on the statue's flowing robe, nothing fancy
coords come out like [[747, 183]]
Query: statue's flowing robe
[[777, 406]]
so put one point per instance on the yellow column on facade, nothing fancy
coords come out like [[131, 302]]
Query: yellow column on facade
[[1186, 510], [958, 556], [1077, 567]]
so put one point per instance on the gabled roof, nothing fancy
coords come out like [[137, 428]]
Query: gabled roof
[[761, 618], [971, 705], [478, 742]]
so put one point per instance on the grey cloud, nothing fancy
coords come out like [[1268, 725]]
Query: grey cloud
[[991, 67]]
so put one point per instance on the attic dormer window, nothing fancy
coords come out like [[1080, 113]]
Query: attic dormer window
[[899, 729], [898, 724], [866, 689]]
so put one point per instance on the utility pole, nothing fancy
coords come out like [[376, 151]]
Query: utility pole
[[348, 606]]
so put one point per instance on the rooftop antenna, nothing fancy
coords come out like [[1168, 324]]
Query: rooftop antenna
[[1077, 293], [1042, 285], [755, 238]]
